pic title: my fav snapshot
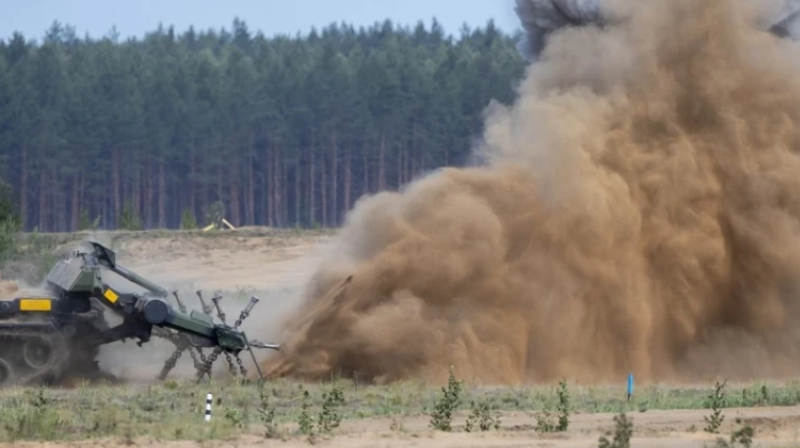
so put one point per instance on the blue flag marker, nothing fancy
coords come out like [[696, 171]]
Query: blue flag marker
[[630, 386]]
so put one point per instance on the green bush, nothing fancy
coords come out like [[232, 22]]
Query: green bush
[[716, 401], [129, 219], [188, 221], [623, 431], [443, 409], [86, 223]]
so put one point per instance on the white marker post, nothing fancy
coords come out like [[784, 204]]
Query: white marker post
[[208, 407]]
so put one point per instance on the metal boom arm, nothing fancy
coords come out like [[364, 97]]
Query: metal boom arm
[[80, 275]]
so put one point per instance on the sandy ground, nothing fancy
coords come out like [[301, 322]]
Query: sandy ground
[[277, 267], [228, 262], [775, 427]]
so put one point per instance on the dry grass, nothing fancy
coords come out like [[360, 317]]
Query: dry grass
[[175, 410]]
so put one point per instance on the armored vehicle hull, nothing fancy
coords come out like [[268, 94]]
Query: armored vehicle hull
[[56, 335], [43, 340]]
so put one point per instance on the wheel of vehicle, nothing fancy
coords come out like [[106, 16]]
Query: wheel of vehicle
[[5, 372], [37, 353]]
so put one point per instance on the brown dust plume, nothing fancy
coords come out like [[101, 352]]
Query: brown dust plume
[[639, 211]]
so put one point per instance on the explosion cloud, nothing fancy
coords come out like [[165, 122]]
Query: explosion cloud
[[541, 18], [639, 211]]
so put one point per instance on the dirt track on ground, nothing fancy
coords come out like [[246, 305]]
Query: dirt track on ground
[[775, 427]]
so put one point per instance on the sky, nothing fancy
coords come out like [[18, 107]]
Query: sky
[[136, 17]]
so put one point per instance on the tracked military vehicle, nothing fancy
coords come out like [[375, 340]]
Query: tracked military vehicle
[[46, 338]]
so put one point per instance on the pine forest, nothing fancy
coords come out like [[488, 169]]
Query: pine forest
[[284, 131]]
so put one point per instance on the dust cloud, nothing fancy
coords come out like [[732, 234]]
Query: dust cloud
[[638, 211], [541, 18], [11, 289]]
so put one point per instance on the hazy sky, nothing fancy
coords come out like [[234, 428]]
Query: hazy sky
[[135, 17]]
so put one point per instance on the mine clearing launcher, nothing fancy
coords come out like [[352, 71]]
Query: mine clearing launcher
[[44, 339]]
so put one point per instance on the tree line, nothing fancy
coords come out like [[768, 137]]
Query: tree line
[[282, 131]]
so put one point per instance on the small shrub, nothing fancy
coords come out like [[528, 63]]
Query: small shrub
[[544, 421], [86, 223], [443, 409], [267, 414], [188, 221], [106, 422], [743, 435], [622, 433], [236, 417], [481, 416], [563, 407], [305, 422], [215, 214], [329, 419], [129, 219], [397, 424], [716, 401]]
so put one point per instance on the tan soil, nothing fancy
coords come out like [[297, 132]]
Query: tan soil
[[775, 427], [227, 262]]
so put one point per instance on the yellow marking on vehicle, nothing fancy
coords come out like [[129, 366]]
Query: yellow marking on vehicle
[[111, 296], [35, 305]]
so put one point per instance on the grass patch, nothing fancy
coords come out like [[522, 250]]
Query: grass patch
[[175, 410]]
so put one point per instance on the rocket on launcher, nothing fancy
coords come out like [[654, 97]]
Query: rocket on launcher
[[540, 18]]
